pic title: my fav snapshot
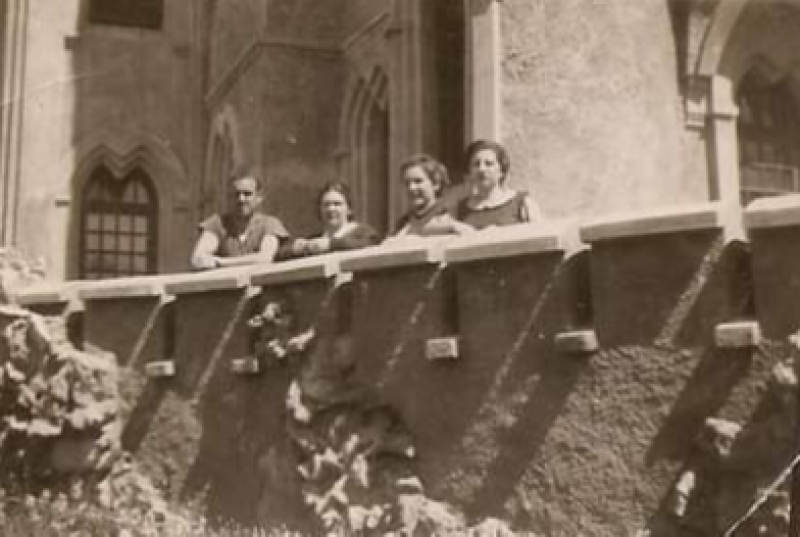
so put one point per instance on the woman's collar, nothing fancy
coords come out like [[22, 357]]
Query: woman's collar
[[496, 198]]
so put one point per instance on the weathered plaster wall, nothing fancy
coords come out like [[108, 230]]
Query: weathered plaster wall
[[285, 101], [362, 12], [233, 27], [302, 100], [90, 82], [586, 104]]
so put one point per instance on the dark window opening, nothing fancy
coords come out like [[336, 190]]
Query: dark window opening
[[450, 43], [119, 223], [148, 14], [768, 135], [377, 168]]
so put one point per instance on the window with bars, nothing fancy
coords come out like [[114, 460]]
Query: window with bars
[[148, 14], [768, 138], [119, 224]]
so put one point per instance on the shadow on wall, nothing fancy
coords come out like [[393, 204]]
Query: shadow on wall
[[731, 462], [245, 469], [716, 375], [477, 420], [517, 383]]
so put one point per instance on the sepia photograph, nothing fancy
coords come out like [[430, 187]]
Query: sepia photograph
[[399, 268]]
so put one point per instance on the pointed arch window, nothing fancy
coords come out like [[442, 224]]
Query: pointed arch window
[[768, 131], [369, 151], [119, 223]]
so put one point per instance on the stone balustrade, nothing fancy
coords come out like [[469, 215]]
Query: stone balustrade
[[550, 369]]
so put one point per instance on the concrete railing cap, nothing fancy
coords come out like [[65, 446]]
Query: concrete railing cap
[[775, 211], [317, 267], [210, 280], [401, 252], [46, 293], [672, 219], [137, 286], [509, 241]]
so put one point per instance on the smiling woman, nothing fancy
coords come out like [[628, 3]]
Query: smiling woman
[[425, 180]]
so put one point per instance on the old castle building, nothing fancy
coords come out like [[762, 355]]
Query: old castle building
[[121, 119]]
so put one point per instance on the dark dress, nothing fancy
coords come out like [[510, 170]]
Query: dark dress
[[437, 220], [513, 211], [230, 245], [358, 236]]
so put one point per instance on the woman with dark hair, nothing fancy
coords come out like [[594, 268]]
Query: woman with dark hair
[[490, 201], [340, 232], [425, 180]]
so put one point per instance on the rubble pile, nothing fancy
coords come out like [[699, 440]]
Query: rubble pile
[[58, 405], [61, 462], [16, 271]]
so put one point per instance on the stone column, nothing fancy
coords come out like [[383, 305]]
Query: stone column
[[412, 123], [482, 83], [723, 149], [13, 32]]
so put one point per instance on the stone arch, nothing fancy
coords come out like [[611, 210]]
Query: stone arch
[[121, 152], [361, 151], [722, 60], [726, 15], [223, 157]]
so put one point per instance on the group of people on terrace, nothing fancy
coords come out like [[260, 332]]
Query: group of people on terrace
[[245, 235]]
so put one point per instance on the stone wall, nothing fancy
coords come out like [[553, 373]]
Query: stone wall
[[621, 388], [584, 104], [98, 91]]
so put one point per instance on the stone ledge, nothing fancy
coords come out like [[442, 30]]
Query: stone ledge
[[160, 369], [773, 212], [45, 293], [211, 280], [319, 267], [576, 341], [144, 286], [512, 241], [737, 335], [394, 254], [689, 217]]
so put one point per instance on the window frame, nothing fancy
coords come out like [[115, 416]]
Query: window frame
[[102, 202]]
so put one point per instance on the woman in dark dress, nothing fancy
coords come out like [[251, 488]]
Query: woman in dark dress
[[490, 201], [339, 232]]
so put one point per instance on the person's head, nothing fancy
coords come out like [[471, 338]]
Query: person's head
[[425, 180], [335, 204], [487, 165], [246, 194]]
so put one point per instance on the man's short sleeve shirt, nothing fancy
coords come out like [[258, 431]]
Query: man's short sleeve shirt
[[249, 242]]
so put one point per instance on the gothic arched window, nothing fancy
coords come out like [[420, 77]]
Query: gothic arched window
[[119, 224], [768, 138]]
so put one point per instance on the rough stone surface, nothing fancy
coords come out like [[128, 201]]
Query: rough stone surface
[[583, 104], [60, 405], [16, 272]]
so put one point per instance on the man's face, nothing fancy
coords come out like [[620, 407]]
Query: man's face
[[245, 196]]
